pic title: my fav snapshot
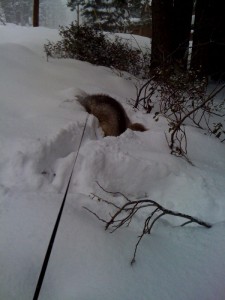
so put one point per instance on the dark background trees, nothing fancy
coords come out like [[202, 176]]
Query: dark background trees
[[49, 13], [170, 26], [75, 5], [17, 11], [171, 34], [181, 22], [161, 31], [2, 16], [110, 15], [171, 31], [208, 54], [102, 14]]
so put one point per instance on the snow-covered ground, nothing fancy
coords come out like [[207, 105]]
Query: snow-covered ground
[[40, 130]]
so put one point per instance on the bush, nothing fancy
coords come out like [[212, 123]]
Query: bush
[[87, 44], [182, 98]]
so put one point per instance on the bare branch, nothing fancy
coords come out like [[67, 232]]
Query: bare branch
[[114, 193], [125, 213], [93, 213], [181, 96]]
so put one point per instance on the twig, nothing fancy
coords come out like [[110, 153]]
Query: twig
[[93, 213], [114, 193], [126, 212]]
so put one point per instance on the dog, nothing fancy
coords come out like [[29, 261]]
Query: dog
[[110, 113]]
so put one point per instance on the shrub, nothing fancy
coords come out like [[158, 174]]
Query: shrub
[[182, 98], [88, 44]]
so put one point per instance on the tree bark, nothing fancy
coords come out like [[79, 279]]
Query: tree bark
[[171, 26], [182, 15], [36, 13], [217, 45], [209, 39], [161, 31]]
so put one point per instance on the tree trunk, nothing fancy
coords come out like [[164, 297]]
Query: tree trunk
[[36, 13], [209, 39], [161, 31], [201, 37], [78, 14], [217, 45], [171, 26], [182, 15]]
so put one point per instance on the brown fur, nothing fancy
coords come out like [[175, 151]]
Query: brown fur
[[110, 113], [137, 127]]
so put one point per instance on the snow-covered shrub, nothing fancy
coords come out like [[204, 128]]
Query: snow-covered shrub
[[182, 97], [87, 44]]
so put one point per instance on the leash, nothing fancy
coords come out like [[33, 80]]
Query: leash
[[54, 232]]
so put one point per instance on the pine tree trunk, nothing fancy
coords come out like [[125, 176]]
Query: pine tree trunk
[[36, 13], [78, 15], [217, 39], [201, 37], [161, 31], [208, 54], [182, 15], [171, 26]]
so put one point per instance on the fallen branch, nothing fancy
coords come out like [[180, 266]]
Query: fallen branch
[[125, 213]]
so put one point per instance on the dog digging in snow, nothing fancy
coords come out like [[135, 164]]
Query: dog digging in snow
[[110, 113]]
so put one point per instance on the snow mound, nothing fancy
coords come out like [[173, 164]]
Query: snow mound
[[114, 162], [45, 164], [41, 127]]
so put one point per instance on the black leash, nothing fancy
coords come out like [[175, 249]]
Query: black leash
[[51, 242]]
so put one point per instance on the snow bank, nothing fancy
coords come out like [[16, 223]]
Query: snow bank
[[41, 126]]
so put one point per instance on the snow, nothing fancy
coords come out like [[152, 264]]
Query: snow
[[40, 129], [135, 41]]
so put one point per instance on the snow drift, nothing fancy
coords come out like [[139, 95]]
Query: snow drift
[[41, 126]]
